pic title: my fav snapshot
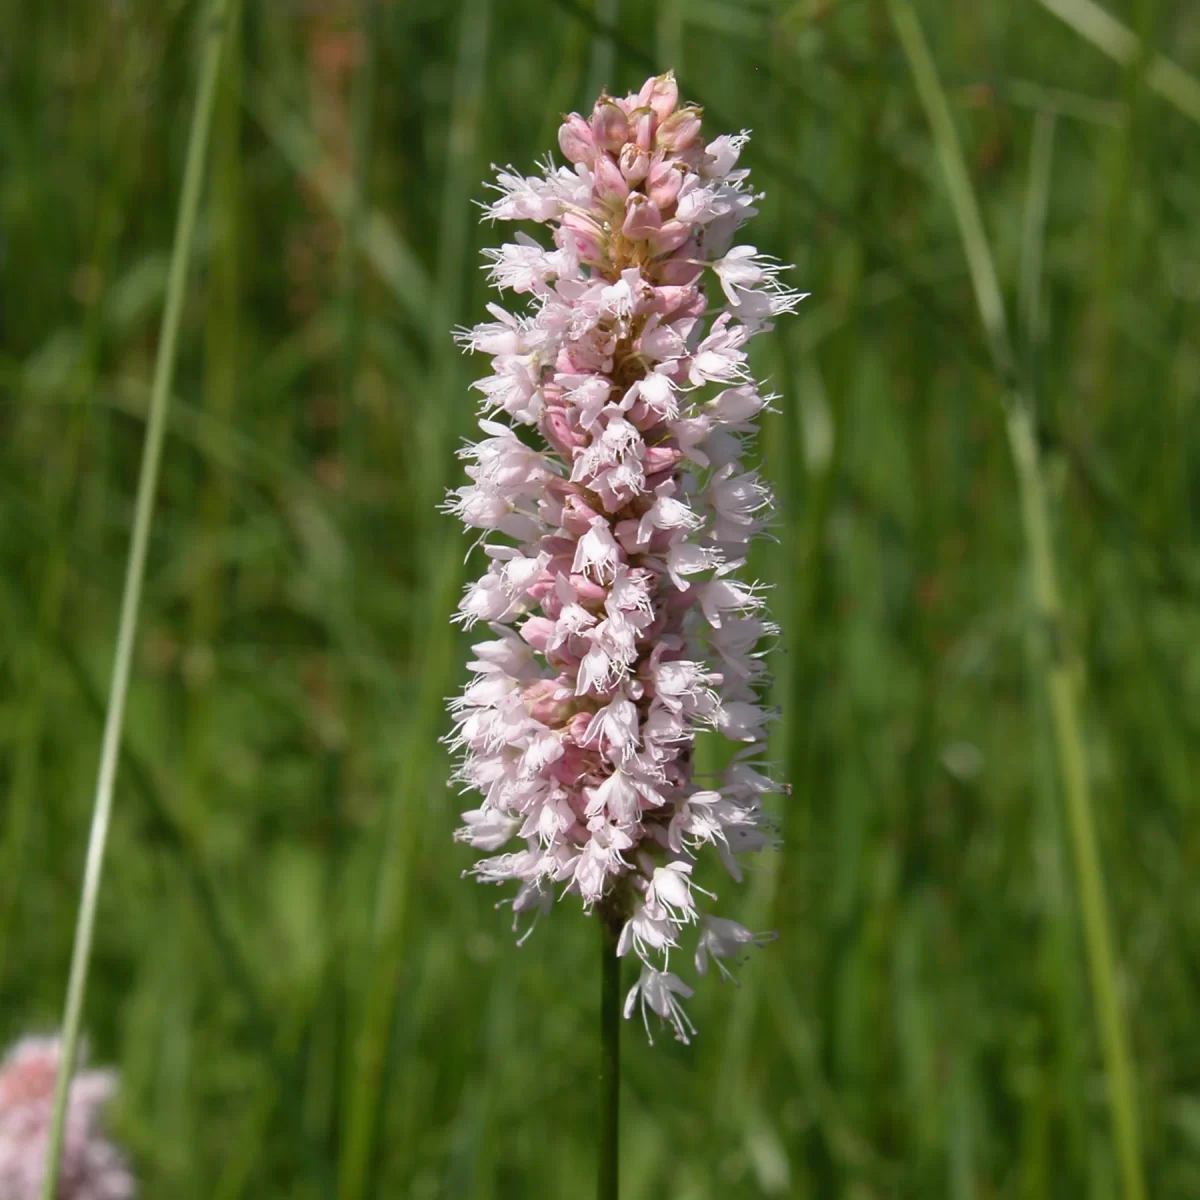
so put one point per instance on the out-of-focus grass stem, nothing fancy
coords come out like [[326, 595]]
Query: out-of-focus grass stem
[[600, 69], [1033, 240], [327, 1041], [404, 820], [222, 349], [213, 42], [1060, 678], [1061, 947], [668, 32], [363, 107], [1109, 36]]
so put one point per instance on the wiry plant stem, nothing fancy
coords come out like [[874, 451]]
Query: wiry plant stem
[[608, 1165], [1057, 665], [134, 573], [1060, 682]]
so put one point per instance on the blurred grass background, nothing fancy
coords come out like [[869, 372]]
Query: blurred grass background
[[303, 997]]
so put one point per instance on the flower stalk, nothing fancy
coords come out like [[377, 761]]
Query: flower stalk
[[608, 1160], [164, 368]]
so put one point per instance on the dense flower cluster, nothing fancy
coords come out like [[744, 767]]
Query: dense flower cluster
[[92, 1168], [620, 625]]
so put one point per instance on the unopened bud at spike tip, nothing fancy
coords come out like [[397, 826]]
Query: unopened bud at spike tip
[[661, 94], [680, 131], [610, 129], [576, 141]]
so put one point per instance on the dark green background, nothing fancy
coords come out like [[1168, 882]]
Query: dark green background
[[288, 965]]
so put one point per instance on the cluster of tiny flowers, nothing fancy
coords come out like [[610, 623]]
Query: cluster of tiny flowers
[[92, 1168], [620, 624]]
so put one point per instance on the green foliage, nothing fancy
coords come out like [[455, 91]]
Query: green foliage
[[289, 970]]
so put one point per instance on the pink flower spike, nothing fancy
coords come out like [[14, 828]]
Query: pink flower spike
[[92, 1168], [615, 519]]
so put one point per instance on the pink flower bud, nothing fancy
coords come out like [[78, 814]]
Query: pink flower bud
[[578, 515], [635, 163], [673, 301], [575, 762], [670, 237], [661, 458], [577, 728], [589, 591], [586, 235], [610, 129], [642, 123], [663, 183], [680, 131], [575, 140], [548, 702], [537, 631], [608, 184], [642, 218], [626, 532], [558, 432], [684, 266], [661, 94]]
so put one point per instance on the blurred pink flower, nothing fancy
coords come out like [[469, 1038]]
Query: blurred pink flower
[[92, 1168], [620, 625]]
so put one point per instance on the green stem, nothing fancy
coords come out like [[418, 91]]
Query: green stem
[[1057, 666], [608, 1166], [134, 573], [1068, 738], [363, 104]]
